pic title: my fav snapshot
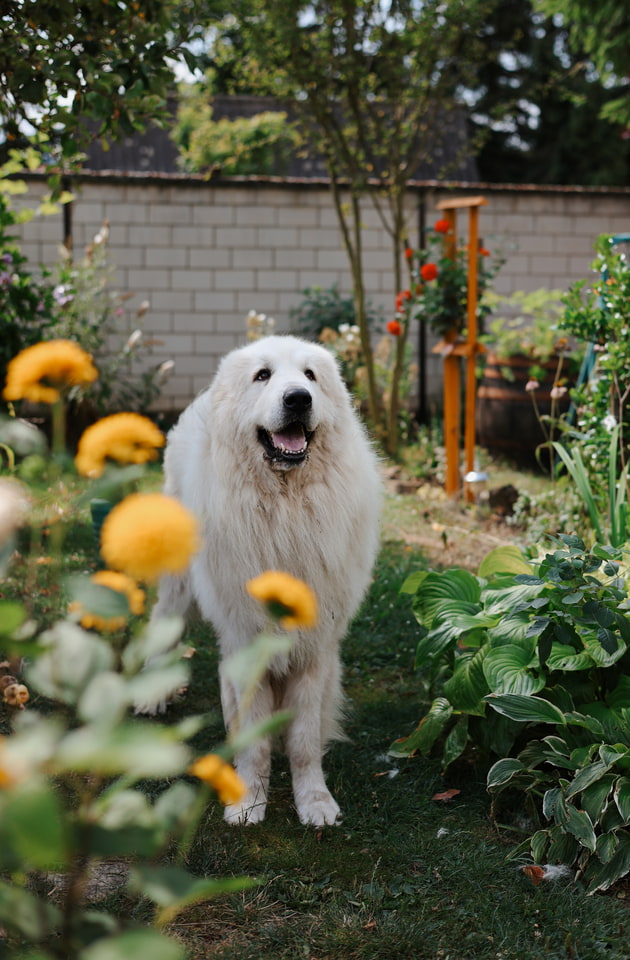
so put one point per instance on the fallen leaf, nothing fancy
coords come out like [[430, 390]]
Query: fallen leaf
[[446, 795]]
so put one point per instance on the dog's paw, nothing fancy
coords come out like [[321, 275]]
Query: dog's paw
[[249, 810], [318, 809]]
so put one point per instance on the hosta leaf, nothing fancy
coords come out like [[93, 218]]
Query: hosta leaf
[[506, 559], [539, 843], [525, 709], [427, 731], [590, 774], [413, 581], [602, 876], [607, 843], [502, 772], [554, 806], [605, 654], [456, 741], [595, 798], [563, 847], [453, 584], [511, 670], [580, 826], [566, 657], [620, 696], [505, 599], [622, 797], [467, 687]]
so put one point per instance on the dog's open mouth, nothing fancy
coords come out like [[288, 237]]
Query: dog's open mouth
[[289, 445]]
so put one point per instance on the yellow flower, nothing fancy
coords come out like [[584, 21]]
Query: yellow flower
[[221, 776], [125, 437], [287, 599], [149, 534], [40, 372], [121, 583]]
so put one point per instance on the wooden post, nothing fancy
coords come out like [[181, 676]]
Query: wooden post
[[452, 348]]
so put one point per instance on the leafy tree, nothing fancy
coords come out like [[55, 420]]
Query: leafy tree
[[374, 85], [538, 107], [73, 70], [601, 28]]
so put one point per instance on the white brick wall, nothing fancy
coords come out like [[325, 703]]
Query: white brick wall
[[205, 254]]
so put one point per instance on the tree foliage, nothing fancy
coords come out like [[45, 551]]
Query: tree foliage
[[601, 28], [539, 107], [64, 64], [374, 85]]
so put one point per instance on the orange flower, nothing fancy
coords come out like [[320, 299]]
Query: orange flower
[[221, 776], [483, 252], [428, 271], [408, 253], [394, 328], [441, 226], [289, 600], [39, 373]]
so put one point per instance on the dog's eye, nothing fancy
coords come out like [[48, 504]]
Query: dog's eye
[[263, 374], [309, 374]]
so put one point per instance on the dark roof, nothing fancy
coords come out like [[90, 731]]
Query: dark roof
[[153, 151]]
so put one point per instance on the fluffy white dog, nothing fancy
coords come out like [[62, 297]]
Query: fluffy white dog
[[277, 467]]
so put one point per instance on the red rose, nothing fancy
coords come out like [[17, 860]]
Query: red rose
[[483, 252], [428, 271], [441, 226], [408, 253], [394, 328]]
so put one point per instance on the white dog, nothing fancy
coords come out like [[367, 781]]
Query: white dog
[[276, 465]]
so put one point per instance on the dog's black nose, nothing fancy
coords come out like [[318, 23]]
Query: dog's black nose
[[297, 400]]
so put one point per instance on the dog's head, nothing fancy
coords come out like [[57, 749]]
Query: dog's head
[[285, 394]]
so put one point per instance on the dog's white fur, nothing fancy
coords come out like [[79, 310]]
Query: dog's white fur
[[313, 516]]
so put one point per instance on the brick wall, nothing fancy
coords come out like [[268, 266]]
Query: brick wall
[[205, 254]]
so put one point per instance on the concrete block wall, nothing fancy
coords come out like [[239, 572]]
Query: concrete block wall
[[205, 254]]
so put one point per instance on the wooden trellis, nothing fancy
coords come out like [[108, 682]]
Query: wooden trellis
[[452, 348]]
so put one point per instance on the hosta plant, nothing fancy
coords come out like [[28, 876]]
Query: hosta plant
[[537, 651], [581, 775], [549, 634]]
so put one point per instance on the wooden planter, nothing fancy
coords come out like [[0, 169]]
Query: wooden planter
[[506, 419]]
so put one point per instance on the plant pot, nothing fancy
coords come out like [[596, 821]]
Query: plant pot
[[506, 420]]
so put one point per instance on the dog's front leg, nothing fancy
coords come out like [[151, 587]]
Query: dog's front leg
[[253, 764], [306, 697]]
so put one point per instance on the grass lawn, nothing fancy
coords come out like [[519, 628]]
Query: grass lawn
[[405, 875]]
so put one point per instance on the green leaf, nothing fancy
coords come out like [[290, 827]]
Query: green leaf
[[455, 742], [595, 797], [173, 888], [135, 943], [247, 666], [467, 686], [602, 876], [105, 699], [96, 598], [589, 775], [502, 772], [38, 830], [565, 657], [507, 559], [157, 638], [12, 616], [622, 797], [139, 749], [413, 581], [580, 826], [427, 731], [454, 584], [511, 670], [20, 910], [71, 658], [525, 709]]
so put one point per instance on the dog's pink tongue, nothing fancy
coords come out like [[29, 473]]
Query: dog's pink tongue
[[291, 440]]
